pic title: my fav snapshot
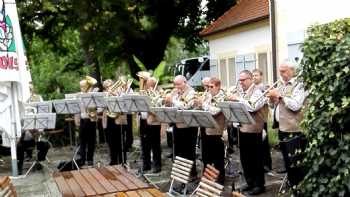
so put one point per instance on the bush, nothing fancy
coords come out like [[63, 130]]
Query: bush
[[326, 76]]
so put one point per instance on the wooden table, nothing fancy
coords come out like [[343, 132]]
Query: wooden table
[[105, 181]]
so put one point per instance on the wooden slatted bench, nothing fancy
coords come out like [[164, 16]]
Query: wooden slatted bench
[[104, 181], [6, 187], [180, 172], [207, 187]]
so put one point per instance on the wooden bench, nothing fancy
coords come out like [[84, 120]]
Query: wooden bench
[[7, 189], [105, 181], [180, 172]]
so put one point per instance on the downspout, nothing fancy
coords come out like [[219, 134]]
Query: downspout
[[273, 39]]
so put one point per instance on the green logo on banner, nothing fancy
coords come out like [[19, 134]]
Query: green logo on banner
[[7, 40]]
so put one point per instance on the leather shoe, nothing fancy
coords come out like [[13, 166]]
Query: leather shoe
[[256, 191]]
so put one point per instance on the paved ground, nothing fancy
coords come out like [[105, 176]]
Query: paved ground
[[40, 183]]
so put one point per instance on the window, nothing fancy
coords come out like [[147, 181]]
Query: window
[[223, 72], [231, 72], [245, 62], [262, 59]]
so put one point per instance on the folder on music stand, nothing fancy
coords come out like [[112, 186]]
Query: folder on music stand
[[42, 107], [136, 103], [236, 112], [93, 99], [166, 114], [71, 95], [115, 104], [39, 121], [198, 118], [67, 106]]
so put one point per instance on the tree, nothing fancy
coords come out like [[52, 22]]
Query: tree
[[113, 31]]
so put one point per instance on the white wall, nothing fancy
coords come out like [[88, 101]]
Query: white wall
[[293, 17], [254, 38]]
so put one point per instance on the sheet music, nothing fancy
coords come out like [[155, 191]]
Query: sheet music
[[165, 114], [236, 112], [136, 103], [42, 107], [39, 121], [71, 106]]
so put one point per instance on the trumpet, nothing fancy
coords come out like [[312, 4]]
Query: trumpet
[[266, 91]]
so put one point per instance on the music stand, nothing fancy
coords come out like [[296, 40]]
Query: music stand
[[236, 112], [166, 114], [116, 104], [42, 107], [38, 122], [68, 106], [198, 118], [136, 103], [93, 99]]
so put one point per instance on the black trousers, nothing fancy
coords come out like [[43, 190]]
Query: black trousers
[[113, 138], [213, 153], [150, 141], [289, 144], [87, 137], [129, 137], [185, 140], [24, 146], [252, 159], [266, 150]]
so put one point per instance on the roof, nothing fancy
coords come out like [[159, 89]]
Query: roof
[[244, 12]]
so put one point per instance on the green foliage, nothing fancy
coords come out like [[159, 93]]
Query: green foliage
[[54, 75], [325, 67]]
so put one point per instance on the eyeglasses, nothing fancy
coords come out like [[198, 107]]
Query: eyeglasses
[[211, 86]]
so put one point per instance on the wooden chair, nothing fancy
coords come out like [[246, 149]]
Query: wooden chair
[[208, 187], [6, 187], [237, 194], [180, 172]]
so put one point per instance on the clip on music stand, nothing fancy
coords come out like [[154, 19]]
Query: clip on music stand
[[198, 118], [38, 122], [42, 107]]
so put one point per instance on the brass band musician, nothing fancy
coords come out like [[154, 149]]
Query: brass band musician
[[250, 135], [87, 126], [112, 130], [150, 132], [212, 145], [288, 99], [184, 137]]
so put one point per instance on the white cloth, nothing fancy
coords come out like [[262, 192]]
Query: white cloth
[[253, 99], [5, 113]]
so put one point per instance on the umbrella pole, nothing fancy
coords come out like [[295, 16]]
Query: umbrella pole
[[15, 121]]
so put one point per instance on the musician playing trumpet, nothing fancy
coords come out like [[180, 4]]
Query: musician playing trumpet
[[150, 134], [213, 152], [250, 135], [287, 99], [184, 137]]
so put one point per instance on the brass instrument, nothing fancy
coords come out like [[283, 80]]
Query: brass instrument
[[266, 91], [87, 86], [116, 87], [143, 76]]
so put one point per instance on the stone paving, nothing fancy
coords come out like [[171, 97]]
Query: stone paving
[[40, 183]]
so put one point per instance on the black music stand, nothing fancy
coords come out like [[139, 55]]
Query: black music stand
[[69, 106], [198, 118], [166, 114], [136, 103], [116, 104], [236, 112], [38, 122]]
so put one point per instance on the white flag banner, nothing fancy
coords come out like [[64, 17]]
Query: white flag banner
[[14, 71]]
